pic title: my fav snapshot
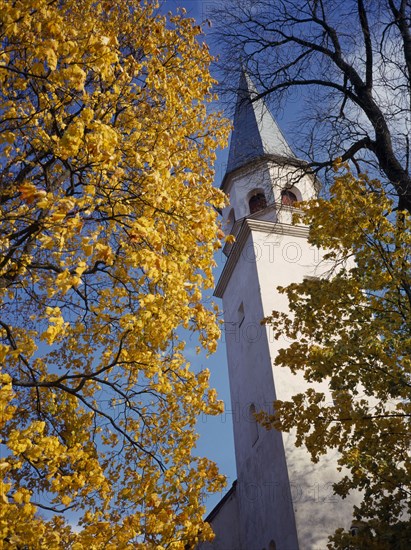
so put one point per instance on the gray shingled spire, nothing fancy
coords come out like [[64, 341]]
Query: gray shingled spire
[[256, 133]]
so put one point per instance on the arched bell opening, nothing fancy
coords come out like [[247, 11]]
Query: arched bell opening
[[257, 202]]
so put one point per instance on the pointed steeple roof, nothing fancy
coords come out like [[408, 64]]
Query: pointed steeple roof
[[256, 133]]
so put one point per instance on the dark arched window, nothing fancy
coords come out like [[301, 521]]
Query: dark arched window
[[253, 424], [288, 198], [272, 545], [230, 221], [257, 202]]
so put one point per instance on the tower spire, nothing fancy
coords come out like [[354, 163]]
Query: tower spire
[[256, 133]]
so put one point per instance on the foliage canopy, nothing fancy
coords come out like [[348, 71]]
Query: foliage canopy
[[108, 228]]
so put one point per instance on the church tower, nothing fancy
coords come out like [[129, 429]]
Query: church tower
[[281, 500]]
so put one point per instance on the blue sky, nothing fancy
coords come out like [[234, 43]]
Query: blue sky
[[216, 433], [198, 9]]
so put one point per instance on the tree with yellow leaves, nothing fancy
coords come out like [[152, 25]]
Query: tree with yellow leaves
[[108, 228], [352, 329]]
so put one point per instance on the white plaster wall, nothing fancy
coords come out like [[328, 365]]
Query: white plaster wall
[[265, 504], [293, 179], [281, 494], [282, 259], [243, 182], [226, 526], [269, 178]]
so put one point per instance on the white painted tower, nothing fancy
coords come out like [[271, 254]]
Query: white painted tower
[[281, 500]]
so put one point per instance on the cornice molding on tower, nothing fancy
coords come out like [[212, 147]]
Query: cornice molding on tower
[[260, 226], [258, 162]]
